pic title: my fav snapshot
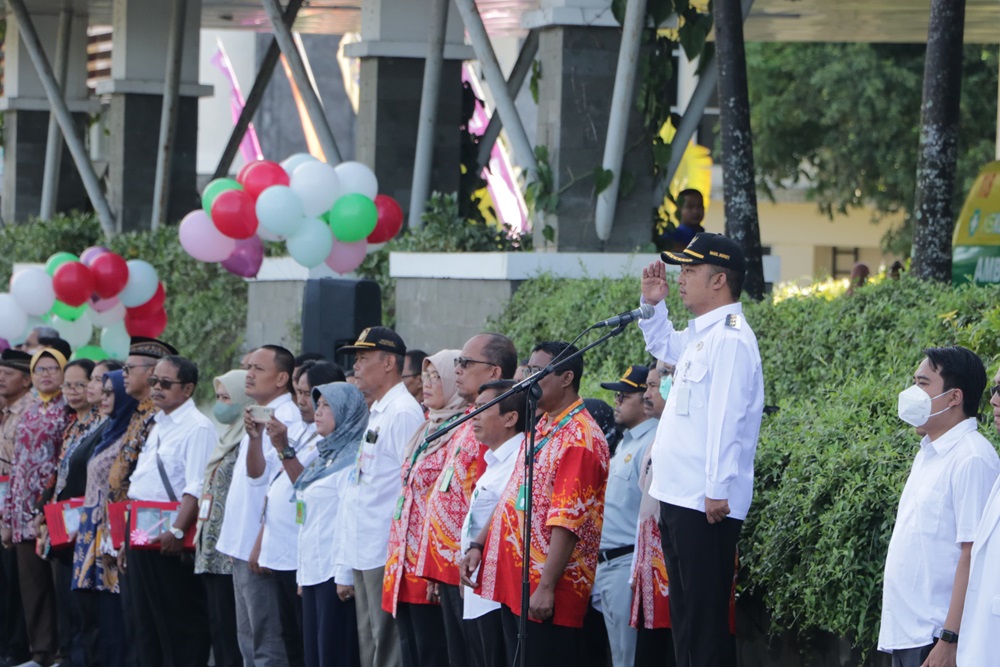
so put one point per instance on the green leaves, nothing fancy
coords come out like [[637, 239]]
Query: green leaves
[[536, 76], [602, 179]]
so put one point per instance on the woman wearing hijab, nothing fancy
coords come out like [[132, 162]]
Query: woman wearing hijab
[[217, 569], [329, 623], [36, 454], [94, 574], [404, 595]]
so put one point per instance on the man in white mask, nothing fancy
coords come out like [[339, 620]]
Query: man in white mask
[[927, 567]]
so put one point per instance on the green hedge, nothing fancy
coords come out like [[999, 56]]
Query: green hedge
[[206, 305], [832, 462]]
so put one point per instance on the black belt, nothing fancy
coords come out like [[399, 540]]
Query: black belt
[[611, 554]]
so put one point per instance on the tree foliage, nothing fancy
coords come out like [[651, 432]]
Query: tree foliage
[[845, 120]]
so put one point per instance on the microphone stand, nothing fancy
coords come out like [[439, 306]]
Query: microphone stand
[[533, 393]]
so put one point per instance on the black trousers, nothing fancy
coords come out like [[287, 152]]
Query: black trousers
[[912, 657], [38, 596], [72, 642], [329, 627], [221, 603], [654, 648], [128, 591], [700, 559], [171, 618], [103, 627], [421, 635], [13, 635], [290, 607], [486, 644], [452, 606], [548, 644]]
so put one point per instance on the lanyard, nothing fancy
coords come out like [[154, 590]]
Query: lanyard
[[423, 447], [562, 422]]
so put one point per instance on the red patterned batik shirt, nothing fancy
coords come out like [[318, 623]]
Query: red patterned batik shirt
[[650, 601], [440, 548], [571, 473]]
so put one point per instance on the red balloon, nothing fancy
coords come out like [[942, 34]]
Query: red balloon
[[234, 214], [390, 219], [150, 327], [260, 175], [151, 307], [110, 274], [73, 283]]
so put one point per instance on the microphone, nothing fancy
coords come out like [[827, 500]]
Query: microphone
[[645, 311]]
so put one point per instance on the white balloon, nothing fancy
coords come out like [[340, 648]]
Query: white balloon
[[357, 178], [279, 210], [32, 289], [115, 341], [109, 317], [13, 319], [317, 185], [141, 285], [78, 332], [293, 162]]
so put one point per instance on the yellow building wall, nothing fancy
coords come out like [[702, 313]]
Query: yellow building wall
[[804, 238]]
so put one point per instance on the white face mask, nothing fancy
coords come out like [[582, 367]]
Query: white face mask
[[914, 405]]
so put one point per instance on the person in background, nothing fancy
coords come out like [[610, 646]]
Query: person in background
[[690, 214], [604, 415], [329, 620], [412, 365], [404, 594], [95, 566], [33, 342], [214, 568], [36, 455]]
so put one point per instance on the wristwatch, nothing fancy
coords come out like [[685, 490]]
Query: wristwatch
[[177, 532], [287, 453], [949, 637]]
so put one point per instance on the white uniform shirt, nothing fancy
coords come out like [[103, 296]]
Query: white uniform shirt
[[245, 501], [321, 545], [485, 496], [621, 499], [981, 618], [371, 499], [707, 436], [940, 508], [184, 439], [279, 546]]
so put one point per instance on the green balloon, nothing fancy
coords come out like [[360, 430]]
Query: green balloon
[[68, 313], [216, 188], [92, 352], [57, 260], [352, 218]]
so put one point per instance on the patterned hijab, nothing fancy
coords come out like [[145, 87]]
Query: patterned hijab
[[339, 449], [121, 414]]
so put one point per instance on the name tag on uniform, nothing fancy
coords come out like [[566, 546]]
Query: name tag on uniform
[[446, 480], [300, 512], [205, 507], [682, 402]]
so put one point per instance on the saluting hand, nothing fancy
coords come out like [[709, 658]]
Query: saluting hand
[[655, 287]]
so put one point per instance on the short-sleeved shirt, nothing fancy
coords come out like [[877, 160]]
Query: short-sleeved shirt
[[279, 546], [940, 508], [440, 545], [571, 473]]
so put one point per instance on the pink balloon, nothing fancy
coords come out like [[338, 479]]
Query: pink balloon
[[92, 253], [345, 257], [246, 258], [202, 240], [103, 305]]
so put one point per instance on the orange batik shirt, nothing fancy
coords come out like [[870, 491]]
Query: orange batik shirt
[[571, 473], [440, 545]]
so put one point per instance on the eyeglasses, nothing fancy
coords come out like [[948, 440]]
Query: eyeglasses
[[465, 361], [166, 383], [994, 390], [127, 368], [620, 396], [532, 370], [430, 378], [46, 370], [79, 386]]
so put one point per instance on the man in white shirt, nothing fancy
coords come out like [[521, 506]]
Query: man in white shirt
[[927, 566], [705, 443], [621, 510], [258, 609], [981, 624], [171, 616], [501, 429], [369, 502]]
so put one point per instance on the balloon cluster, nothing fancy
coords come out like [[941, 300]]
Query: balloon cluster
[[322, 213], [75, 294]]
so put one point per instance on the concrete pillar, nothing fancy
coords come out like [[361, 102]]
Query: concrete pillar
[[138, 67], [26, 119], [578, 52], [392, 71]]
